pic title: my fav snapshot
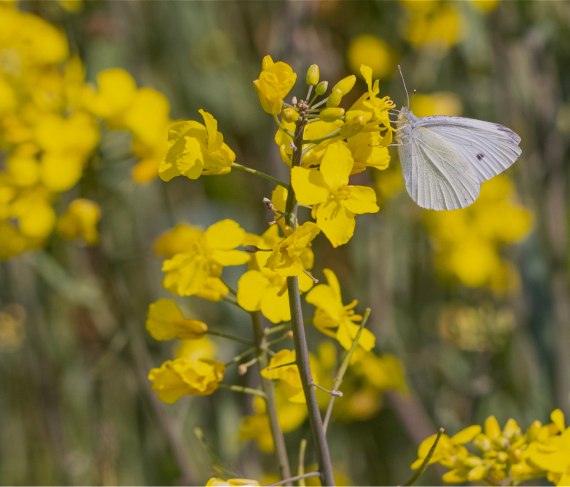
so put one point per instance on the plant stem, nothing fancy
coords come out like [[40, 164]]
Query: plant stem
[[259, 173], [269, 388], [302, 352], [298, 477], [425, 463], [245, 390], [231, 289], [343, 367], [229, 337], [240, 356], [301, 469]]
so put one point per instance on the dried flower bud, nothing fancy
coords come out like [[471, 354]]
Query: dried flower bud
[[252, 249], [290, 115]]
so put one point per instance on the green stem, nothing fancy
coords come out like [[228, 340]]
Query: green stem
[[229, 337], [276, 329], [332, 135], [240, 356], [298, 477], [231, 289], [425, 463], [282, 127], [302, 352], [301, 469], [232, 300], [259, 173], [488, 481], [343, 367], [269, 388], [245, 390]]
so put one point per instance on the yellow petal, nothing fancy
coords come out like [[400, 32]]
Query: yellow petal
[[492, 428], [215, 138], [336, 165], [225, 234], [274, 307], [309, 185], [230, 257], [362, 200], [336, 222], [251, 288], [557, 417], [466, 435]]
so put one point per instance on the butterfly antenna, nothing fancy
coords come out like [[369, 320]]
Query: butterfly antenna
[[413, 96], [403, 81]]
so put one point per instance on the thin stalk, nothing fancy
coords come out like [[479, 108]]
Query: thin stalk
[[342, 369], [319, 104], [282, 127], [232, 300], [302, 352], [425, 463], [240, 356], [332, 135], [231, 289], [245, 390], [229, 337], [259, 173], [298, 477], [276, 329], [270, 401], [301, 469]]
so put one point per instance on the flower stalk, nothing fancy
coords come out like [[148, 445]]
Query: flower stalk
[[270, 401], [299, 338]]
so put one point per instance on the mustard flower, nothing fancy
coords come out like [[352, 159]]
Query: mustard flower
[[176, 378], [332, 314], [195, 149], [274, 83], [262, 289], [216, 482], [286, 258], [189, 272], [334, 201], [80, 220], [288, 375], [165, 321]]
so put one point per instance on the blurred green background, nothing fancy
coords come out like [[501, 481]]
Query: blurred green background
[[475, 305]]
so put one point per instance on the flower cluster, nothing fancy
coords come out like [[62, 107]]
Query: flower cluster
[[542, 451], [468, 242]]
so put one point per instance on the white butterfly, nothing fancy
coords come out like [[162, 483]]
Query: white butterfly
[[445, 159]]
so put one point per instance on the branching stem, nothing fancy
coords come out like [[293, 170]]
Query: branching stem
[[259, 173]]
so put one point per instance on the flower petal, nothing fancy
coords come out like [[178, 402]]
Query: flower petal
[[225, 234], [251, 288], [336, 222], [336, 165], [309, 185], [362, 200]]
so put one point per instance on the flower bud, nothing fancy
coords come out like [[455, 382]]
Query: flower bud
[[334, 98], [312, 75], [266, 63], [321, 88], [345, 85], [353, 127], [251, 249], [290, 115], [331, 114], [533, 431]]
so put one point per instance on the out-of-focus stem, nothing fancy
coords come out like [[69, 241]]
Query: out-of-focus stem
[[425, 463], [270, 401], [302, 352], [235, 165]]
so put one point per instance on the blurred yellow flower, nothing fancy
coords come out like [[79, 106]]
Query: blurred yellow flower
[[440, 103], [196, 348], [215, 482], [12, 332], [332, 314], [287, 256], [179, 377], [195, 149], [373, 51], [334, 201], [176, 240], [117, 90], [274, 83], [187, 273], [165, 322], [80, 220], [485, 6]]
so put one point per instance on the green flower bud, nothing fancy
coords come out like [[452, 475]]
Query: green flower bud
[[345, 85], [331, 114], [353, 127], [312, 75], [334, 98], [321, 88], [290, 115]]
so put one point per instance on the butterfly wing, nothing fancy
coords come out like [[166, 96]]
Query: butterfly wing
[[437, 176], [488, 148]]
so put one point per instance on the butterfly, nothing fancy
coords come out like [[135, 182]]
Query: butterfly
[[445, 159]]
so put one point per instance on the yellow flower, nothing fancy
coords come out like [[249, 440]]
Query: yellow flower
[[286, 258], [187, 273], [176, 240], [440, 103], [334, 201], [195, 349], [165, 322], [80, 220], [195, 149], [176, 378], [262, 289], [370, 49], [331, 314], [274, 83], [12, 242], [230, 482], [117, 90]]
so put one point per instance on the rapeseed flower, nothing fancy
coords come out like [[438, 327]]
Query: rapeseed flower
[[189, 272], [179, 377], [196, 149], [274, 83], [334, 201], [287, 256], [333, 318], [165, 321], [80, 220]]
